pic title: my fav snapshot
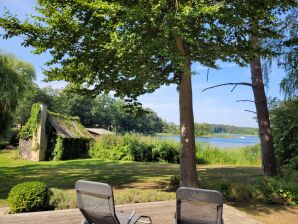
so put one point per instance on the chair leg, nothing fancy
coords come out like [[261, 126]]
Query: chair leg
[[143, 221]]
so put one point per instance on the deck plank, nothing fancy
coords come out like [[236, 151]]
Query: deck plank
[[160, 212]]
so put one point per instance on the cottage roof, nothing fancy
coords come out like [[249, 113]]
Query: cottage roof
[[67, 127], [99, 131]]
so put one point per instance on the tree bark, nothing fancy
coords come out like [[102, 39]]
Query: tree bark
[[268, 154], [188, 171]]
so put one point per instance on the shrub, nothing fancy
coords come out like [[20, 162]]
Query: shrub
[[284, 122], [135, 148], [239, 192], [27, 197], [60, 199], [101, 147], [166, 151]]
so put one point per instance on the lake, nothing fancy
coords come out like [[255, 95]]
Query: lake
[[235, 141]]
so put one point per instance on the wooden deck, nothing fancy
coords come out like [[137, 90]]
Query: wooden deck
[[160, 212]]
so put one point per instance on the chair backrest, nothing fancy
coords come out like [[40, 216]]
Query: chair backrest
[[96, 202], [198, 206]]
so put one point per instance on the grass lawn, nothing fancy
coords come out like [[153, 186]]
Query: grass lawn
[[132, 181], [120, 174]]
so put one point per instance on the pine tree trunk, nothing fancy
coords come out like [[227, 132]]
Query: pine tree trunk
[[188, 172], [268, 155]]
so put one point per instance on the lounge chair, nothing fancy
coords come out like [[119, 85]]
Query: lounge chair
[[198, 206], [96, 202]]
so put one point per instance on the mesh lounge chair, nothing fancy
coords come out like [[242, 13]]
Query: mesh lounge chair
[[96, 202], [198, 206]]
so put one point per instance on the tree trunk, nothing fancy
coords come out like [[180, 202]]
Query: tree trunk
[[188, 171], [268, 155]]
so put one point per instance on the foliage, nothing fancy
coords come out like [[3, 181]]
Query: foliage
[[284, 120], [289, 55], [58, 150], [60, 199], [35, 95], [248, 155], [150, 53], [9, 138], [145, 148], [276, 190], [139, 174], [15, 77], [102, 111], [166, 151], [30, 127], [134, 147], [28, 197], [102, 147]]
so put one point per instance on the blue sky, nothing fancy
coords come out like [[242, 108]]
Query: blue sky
[[214, 106]]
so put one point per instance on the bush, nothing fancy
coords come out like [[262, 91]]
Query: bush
[[101, 147], [239, 192], [134, 147], [284, 122], [60, 199], [166, 151], [28, 197]]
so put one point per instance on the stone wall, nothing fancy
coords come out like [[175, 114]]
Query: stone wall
[[25, 146]]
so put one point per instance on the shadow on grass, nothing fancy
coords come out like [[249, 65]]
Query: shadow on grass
[[64, 174]]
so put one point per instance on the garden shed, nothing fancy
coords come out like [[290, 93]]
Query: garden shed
[[52, 136]]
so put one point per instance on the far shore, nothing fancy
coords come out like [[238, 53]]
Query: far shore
[[214, 135]]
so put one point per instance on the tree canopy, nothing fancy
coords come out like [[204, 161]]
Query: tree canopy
[[134, 47], [102, 111], [15, 77], [289, 55]]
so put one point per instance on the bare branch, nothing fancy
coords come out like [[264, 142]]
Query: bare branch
[[208, 75], [234, 88], [251, 111], [230, 83], [245, 101]]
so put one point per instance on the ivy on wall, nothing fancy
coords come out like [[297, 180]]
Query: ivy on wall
[[58, 150], [30, 127]]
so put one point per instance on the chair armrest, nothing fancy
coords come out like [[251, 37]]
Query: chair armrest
[[131, 216]]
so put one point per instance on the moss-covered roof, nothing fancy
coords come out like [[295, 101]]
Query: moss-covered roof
[[67, 127]]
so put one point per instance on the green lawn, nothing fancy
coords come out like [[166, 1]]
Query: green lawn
[[142, 175]]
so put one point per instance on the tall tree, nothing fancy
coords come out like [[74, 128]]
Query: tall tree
[[260, 20], [264, 23], [15, 77], [260, 100], [129, 47], [134, 47]]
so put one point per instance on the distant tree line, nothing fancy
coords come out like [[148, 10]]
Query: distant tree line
[[102, 111], [208, 129]]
